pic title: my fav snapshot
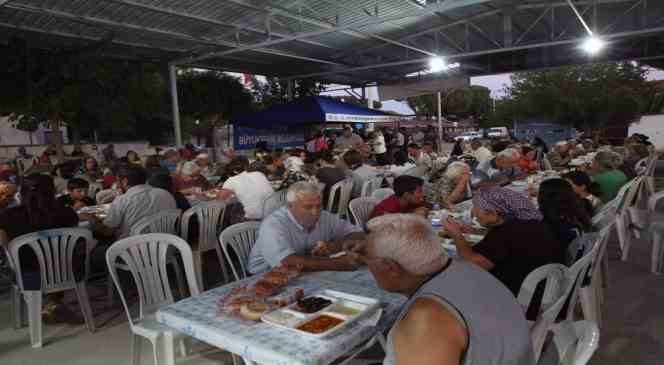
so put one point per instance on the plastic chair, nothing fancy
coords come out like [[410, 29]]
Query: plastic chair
[[54, 249], [577, 273], [240, 238], [649, 224], [623, 202], [340, 194], [591, 292], [553, 299], [146, 257], [370, 185], [382, 194], [210, 217], [360, 208], [574, 342], [165, 221], [641, 166], [274, 202]]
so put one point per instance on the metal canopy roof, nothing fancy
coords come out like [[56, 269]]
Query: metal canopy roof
[[342, 41]]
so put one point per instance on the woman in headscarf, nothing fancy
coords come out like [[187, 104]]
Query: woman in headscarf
[[518, 241]]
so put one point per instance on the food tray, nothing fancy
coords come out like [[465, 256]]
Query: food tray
[[345, 307], [95, 209]]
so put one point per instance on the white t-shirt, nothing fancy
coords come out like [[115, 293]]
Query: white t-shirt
[[379, 145], [401, 139], [251, 189]]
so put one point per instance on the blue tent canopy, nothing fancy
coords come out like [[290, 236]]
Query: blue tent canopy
[[312, 110]]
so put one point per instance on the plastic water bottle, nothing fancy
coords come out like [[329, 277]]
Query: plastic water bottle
[[436, 206]]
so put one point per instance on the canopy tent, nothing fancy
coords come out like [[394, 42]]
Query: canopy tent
[[312, 110]]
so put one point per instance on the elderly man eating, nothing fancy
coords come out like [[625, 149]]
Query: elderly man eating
[[302, 235], [497, 171], [456, 313]]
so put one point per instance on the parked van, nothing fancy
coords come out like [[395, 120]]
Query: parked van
[[468, 136]]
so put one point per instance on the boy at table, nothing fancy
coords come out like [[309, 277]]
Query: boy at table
[[77, 194], [302, 235]]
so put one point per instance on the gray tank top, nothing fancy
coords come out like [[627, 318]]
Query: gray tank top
[[496, 324]]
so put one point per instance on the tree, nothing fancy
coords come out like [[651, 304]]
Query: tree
[[275, 91], [473, 101], [210, 97], [586, 97]]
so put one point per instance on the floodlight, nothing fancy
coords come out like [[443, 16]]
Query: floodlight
[[593, 45], [437, 64]]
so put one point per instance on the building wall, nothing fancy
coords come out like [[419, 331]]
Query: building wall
[[653, 127], [12, 136]]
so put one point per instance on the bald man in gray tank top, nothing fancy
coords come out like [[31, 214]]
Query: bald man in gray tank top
[[457, 313]]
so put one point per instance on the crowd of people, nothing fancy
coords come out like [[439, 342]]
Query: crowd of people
[[442, 318]]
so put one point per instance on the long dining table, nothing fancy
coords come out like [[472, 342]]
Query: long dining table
[[199, 317]]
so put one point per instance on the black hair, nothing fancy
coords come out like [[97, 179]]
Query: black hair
[[38, 199], [135, 175], [406, 184], [326, 156], [525, 150], [162, 180], [77, 183], [400, 158], [559, 204], [580, 178]]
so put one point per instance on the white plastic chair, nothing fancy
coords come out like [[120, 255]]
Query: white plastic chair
[[579, 270], [146, 257], [382, 194], [574, 342], [54, 249], [274, 202], [647, 223], [591, 293], [370, 185], [240, 238], [210, 217], [553, 299], [165, 221], [623, 202], [360, 208], [340, 194]]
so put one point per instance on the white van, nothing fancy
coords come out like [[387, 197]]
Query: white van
[[498, 132], [468, 136]]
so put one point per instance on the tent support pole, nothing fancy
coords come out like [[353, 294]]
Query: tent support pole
[[289, 90], [175, 104], [440, 125]]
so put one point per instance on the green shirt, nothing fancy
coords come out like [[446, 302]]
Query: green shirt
[[610, 181]]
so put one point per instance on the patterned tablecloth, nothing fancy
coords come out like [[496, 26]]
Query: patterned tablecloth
[[198, 317]]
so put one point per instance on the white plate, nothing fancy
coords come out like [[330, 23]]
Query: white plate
[[289, 318], [519, 183]]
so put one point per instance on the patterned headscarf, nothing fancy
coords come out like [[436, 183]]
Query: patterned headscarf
[[507, 203]]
